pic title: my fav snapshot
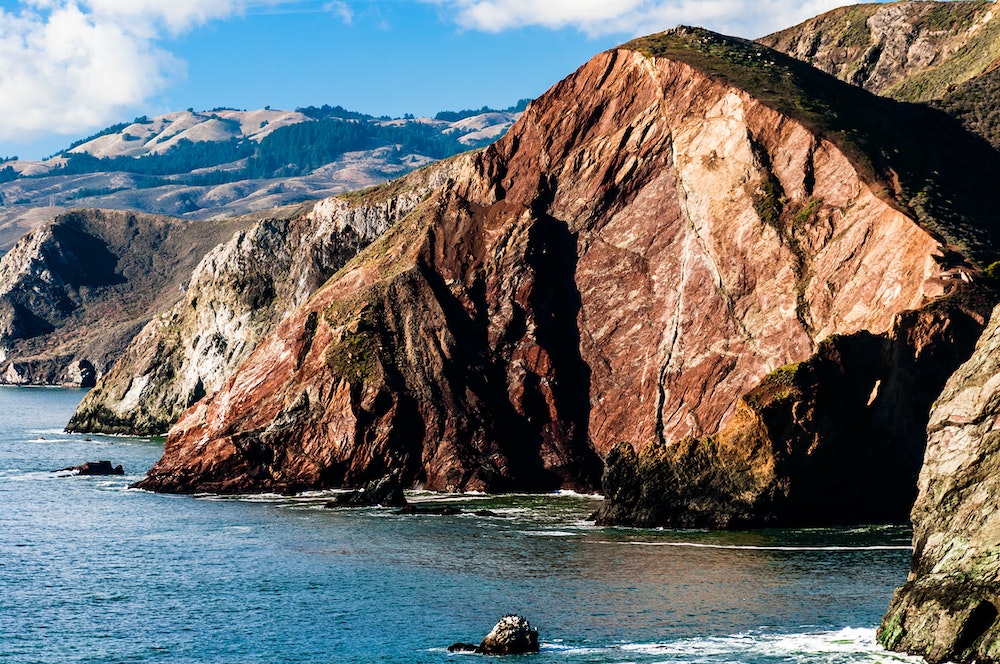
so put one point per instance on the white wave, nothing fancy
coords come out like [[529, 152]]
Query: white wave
[[761, 547], [849, 645], [567, 493]]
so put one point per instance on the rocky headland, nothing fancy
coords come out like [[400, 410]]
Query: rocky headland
[[238, 293], [74, 292], [724, 286], [656, 235]]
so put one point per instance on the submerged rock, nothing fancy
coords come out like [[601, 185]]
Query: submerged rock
[[386, 491], [512, 635]]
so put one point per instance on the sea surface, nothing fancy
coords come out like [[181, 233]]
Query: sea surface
[[92, 571]]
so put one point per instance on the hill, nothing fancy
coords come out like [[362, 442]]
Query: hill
[[224, 162], [74, 291], [636, 260]]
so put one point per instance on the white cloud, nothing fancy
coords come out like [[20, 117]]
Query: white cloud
[[745, 18], [72, 65], [341, 10]]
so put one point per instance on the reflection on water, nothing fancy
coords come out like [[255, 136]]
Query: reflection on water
[[95, 572]]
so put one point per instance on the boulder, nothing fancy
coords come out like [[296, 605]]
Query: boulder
[[512, 635]]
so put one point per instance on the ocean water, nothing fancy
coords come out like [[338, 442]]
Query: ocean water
[[91, 571]]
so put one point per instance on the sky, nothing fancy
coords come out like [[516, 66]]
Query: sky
[[69, 68]]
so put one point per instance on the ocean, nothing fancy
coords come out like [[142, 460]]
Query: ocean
[[92, 571]]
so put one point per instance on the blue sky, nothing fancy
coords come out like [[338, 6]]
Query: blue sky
[[71, 67]]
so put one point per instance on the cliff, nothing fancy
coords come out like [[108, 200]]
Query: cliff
[[947, 609], [238, 292], [835, 439], [655, 235], [75, 291]]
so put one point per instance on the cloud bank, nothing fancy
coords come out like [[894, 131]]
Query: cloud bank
[[744, 18], [68, 66]]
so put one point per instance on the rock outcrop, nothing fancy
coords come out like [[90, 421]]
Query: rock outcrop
[[656, 234], [237, 294], [512, 635], [948, 608], [75, 291], [906, 50]]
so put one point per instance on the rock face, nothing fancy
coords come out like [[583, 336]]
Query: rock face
[[74, 292], [238, 293], [947, 610], [835, 439], [643, 247]]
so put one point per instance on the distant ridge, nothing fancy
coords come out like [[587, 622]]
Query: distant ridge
[[228, 162]]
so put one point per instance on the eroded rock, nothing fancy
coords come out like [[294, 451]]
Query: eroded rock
[[646, 245]]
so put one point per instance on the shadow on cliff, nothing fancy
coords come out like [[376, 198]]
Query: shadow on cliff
[[837, 439], [528, 434]]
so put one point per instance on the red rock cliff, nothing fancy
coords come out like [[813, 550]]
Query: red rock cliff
[[640, 250]]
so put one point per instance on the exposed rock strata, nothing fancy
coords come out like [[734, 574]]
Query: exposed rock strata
[[947, 610], [238, 293], [74, 292], [644, 246]]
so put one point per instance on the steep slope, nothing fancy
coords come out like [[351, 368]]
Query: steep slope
[[947, 610], [75, 291], [659, 231], [912, 51], [942, 53], [237, 294]]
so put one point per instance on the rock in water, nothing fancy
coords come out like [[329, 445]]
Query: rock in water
[[386, 491], [96, 468], [948, 609], [512, 635]]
